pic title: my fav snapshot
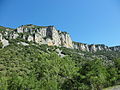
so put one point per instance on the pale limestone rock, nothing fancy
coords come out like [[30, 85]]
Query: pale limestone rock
[[51, 36], [82, 47], [102, 47], [38, 38], [25, 30], [15, 35], [66, 40], [6, 34], [43, 31], [99, 48], [87, 48], [20, 30], [93, 48], [24, 37], [49, 42], [115, 48], [30, 38], [24, 44], [60, 53], [55, 37], [76, 47], [5, 42], [0, 36]]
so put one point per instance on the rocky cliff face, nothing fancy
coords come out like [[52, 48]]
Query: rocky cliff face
[[41, 35], [46, 35], [116, 48], [3, 40], [91, 48], [49, 35]]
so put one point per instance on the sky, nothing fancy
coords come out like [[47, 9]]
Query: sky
[[87, 21]]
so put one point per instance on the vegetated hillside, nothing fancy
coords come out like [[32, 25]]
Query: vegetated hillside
[[29, 66]]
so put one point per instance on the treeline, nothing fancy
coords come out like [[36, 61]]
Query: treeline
[[37, 68]]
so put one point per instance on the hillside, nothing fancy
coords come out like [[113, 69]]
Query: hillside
[[43, 58], [51, 36]]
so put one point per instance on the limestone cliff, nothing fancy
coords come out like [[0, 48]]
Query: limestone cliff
[[3, 40], [41, 35], [115, 48], [90, 48], [48, 35]]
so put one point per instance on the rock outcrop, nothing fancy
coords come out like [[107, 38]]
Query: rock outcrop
[[90, 48], [41, 35], [49, 35], [0, 36], [115, 48], [4, 41], [45, 35]]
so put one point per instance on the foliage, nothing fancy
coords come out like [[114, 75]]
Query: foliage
[[38, 67], [1, 45]]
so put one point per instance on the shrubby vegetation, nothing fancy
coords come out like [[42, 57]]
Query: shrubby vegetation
[[1, 45], [38, 67]]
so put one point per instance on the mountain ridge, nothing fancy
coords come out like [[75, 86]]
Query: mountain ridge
[[49, 35]]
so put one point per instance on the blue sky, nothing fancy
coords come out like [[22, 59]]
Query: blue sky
[[87, 21]]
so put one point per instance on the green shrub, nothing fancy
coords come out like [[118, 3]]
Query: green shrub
[[1, 45]]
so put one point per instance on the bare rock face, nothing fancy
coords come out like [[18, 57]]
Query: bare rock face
[[54, 35], [20, 30], [91, 48], [37, 38], [30, 38], [45, 35], [81, 46], [5, 42], [116, 48], [0, 36], [66, 40], [23, 43], [51, 36]]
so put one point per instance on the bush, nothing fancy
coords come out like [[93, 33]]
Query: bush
[[1, 45]]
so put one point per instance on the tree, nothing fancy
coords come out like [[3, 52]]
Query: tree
[[94, 74], [52, 71]]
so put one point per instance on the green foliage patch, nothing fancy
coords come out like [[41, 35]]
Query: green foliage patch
[[38, 67]]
